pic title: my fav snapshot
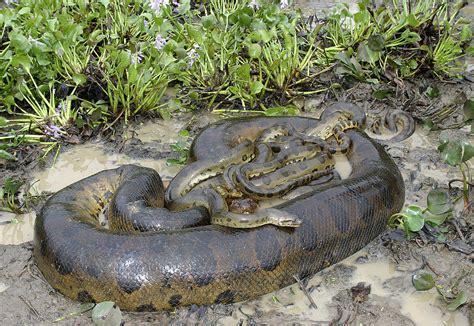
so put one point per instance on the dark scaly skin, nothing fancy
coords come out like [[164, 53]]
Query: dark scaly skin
[[392, 121], [286, 178], [206, 264]]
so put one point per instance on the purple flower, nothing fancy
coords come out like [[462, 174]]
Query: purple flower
[[156, 5], [59, 108], [160, 42], [52, 130], [176, 5], [193, 55], [145, 23], [283, 4], [136, 57], [254, 4]]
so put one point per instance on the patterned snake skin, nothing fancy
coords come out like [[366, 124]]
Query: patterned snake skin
[[204, 264]]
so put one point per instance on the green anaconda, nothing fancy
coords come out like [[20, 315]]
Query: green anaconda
[[197, 263]]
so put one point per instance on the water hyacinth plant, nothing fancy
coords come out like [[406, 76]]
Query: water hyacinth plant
[[105, 61]]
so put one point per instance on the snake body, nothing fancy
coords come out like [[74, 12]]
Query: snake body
[[198, 263]]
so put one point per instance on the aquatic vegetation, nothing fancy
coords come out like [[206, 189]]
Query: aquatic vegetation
[[439, 203], [457, 153], [451, 295], [181, 147], [8, 195], [72, 66], [413, 218]]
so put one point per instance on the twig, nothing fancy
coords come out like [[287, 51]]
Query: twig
[[30, 306], [427, 264], [456, 225], [303, 288]]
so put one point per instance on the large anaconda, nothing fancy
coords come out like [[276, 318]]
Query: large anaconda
[[205, 264]]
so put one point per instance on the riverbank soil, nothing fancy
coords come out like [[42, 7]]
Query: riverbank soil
[[372, 287]]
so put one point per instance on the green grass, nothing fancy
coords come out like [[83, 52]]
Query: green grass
[[70, 65]]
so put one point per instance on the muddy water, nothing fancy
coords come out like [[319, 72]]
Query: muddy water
[[87, 159], [18, 231], [423, 308]]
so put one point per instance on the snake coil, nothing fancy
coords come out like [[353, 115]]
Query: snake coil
[[198, 263]]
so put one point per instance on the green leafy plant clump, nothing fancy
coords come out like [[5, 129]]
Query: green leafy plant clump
[[69, 67], [413, 218]]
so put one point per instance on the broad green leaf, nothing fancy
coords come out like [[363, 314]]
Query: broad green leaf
[[24, 10], [455, 152], [22, 60], [423, 281], [96, 36], [451, 152], [124, 59], [243, 72], [436, 219], [468, 151], [344, 58], [413, 220], [262, 35], [255, 50], [208, 21], [256, 87], [362, 16], [184, 6], [132, 74], [11, 186], [6, 156], [19, 42], [43, 60], [460, 299], [439, 202], [195, 34], [106, 314], [412, 21], [410, 37], [376, 42], [245, 20], [3, 121], [365, 54], [79, 79], [414, 223], [79, 122]]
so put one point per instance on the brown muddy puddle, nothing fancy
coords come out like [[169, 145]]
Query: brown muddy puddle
[[422, 308]]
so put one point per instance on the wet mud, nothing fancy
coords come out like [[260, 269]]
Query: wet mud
[[372, 287]]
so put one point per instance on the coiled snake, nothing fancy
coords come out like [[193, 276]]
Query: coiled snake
[[189, 261]]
